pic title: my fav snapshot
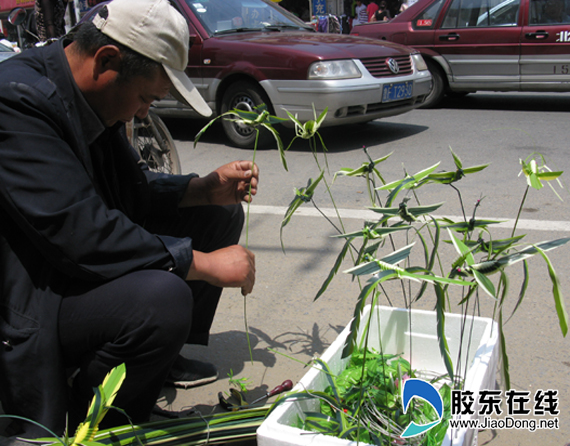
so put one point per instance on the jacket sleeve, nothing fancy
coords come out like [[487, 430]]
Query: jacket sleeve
[[47, 190], [166, 190]]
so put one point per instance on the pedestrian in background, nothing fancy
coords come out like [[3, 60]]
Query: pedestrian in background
[[360, 13], [371, 10]]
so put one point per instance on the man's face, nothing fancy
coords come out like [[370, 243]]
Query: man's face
[[123, 100]]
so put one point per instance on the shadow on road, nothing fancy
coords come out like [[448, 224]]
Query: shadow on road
[[524, 102], [353, 137], [229, 351]]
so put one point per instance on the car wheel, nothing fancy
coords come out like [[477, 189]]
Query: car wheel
[[435, 96], [246, 96]]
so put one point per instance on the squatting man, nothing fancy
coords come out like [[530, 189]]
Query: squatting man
[[103, 261]]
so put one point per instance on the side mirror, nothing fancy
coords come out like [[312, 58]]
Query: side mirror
[[17, 16]]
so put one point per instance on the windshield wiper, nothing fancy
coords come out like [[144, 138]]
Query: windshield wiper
[[280, 27], [275, 28], [236, 30]]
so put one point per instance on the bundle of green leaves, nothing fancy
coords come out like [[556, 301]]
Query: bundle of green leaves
[[364, 402]]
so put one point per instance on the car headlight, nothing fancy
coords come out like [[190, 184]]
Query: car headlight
[[334, 69], [419, 62]]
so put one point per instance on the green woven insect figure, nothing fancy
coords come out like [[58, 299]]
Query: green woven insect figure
[[302, 195], [404, 213], [455, 175], [535, 174], [408, 214], [310, 128], [258, 117], [365, 168]]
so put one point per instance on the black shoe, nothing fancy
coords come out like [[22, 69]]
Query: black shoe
[[191, 373]]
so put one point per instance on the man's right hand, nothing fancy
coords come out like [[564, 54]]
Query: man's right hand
[[231, 267]]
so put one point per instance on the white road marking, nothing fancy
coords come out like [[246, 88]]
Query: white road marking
[[507, 223]]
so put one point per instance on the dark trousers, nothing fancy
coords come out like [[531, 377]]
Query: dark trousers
[[143, 319]]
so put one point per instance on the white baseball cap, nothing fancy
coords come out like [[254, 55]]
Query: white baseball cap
[[156, 30]]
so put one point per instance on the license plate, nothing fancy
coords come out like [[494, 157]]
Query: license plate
[[397, 91]]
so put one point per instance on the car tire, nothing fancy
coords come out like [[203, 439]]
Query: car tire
[[245, 95], [437, 92]]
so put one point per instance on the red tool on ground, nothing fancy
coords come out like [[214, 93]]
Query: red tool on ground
[[284, 387]]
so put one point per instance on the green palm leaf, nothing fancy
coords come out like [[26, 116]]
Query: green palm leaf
[[104, 396], [442, 340], [373, 267], [558, 299], [334, 269]]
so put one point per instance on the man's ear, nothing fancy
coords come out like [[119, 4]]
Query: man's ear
[[106, 61]]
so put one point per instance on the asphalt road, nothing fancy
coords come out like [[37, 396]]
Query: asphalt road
[[286, 328]]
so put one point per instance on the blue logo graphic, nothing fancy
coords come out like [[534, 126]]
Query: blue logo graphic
[[422, 389]]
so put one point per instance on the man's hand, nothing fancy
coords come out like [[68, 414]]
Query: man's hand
[[229, 184], [232, 267]]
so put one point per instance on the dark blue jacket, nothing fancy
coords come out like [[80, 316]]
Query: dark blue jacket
[[64, 219]]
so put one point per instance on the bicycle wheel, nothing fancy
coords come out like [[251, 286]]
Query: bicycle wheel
[[153, 141]]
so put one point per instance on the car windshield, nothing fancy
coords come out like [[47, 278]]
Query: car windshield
[[235, 16]]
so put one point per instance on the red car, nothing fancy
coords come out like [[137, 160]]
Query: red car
[[493, 45], [247, 52]]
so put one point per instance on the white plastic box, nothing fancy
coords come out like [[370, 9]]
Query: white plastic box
[[479, 337]]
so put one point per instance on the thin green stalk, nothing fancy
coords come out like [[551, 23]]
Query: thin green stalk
[[336, 228], [370, 187], [313, 149], [520, 210], [306, 364], [460, 201], [249, 192], [247, 247]]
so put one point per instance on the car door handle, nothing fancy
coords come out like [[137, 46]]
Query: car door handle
[[449, 37], [539, 35]]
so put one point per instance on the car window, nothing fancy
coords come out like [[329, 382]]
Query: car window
[[548, 12], [224, 16], [482, 13], [427, 18]]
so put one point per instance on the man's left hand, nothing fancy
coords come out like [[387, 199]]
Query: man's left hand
[[229, 184]]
